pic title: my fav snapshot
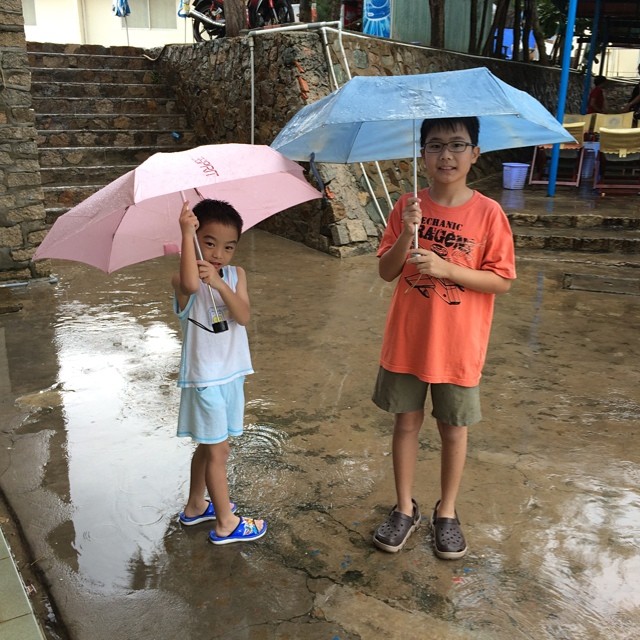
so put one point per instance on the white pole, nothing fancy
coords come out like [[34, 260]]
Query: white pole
[[415, 177], [196, 244]]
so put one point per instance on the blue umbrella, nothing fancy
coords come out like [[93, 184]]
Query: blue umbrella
[[121, 8], [376, 118]]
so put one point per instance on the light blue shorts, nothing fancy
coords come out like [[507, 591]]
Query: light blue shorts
[[210, 415]]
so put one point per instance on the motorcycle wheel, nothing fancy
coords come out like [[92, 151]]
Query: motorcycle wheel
[[203, 32], [265, 16], [256, 21], [284, 11]]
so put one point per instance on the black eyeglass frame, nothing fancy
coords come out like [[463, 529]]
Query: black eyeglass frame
[[442, 145]]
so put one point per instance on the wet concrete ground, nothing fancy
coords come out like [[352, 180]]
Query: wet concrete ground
[[550, 503]]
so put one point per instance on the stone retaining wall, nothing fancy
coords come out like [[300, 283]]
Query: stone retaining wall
[[22, 216], [292, 69]]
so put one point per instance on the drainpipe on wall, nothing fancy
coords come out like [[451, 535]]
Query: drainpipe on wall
[[82, 14]]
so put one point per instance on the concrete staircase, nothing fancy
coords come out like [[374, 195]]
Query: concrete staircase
[[577, 220], [99, 112]]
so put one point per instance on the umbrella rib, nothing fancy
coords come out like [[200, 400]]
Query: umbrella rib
[[353, 138]]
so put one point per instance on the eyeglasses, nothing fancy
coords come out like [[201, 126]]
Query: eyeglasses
[[455, 146]]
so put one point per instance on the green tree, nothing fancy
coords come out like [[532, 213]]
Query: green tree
[[476, 37], [524, 18]]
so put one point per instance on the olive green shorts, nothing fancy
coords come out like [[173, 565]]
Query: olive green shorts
[[403, 393]]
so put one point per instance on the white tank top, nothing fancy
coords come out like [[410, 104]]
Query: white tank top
[[210, 359]]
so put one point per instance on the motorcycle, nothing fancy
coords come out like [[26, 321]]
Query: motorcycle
[[208, 16]]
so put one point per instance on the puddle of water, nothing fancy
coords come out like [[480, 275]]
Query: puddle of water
[[558, 575], [124, 461], [549, 501]]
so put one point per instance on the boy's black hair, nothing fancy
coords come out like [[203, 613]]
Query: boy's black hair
[[598, 80], [471, 123], [208, 210]]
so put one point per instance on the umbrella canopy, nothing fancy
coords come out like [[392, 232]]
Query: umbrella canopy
[[376, 118], [135, 217], [121, 8]]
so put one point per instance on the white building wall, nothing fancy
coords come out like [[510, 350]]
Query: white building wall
[[620, 63], [56, 21], [93, 22]]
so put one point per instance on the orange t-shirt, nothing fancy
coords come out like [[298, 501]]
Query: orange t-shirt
[[435, 329]]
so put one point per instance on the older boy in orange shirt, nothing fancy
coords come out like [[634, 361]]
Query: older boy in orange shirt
[[439, 321]]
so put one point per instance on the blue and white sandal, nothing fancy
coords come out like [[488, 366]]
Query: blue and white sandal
[[246, 531], [209, 514]]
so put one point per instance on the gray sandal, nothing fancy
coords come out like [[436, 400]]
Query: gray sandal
[[448, 539], [393, 534]]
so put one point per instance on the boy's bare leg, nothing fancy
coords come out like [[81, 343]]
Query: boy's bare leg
[[405, 453], [197, 503], [215, 477], [452, 460]]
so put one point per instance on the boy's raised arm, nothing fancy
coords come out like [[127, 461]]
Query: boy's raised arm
[[187, 281]]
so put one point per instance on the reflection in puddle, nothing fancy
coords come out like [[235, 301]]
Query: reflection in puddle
[[572, 574], [512, 199], [120, 417]]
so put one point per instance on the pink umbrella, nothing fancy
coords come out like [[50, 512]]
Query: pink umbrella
[[135, 217]]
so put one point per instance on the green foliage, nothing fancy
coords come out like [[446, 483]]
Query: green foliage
[[549, 17], [328, 9], [552, 13]]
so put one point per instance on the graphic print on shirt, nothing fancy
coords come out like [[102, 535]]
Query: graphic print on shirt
[[449, 244]]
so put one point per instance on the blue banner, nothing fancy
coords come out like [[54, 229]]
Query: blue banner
[[376, 18]]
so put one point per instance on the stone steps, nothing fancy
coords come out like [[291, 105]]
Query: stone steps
[[113, 138], [576, 222], [52, 48], [93, 176], [99, 112], [98, 156], [49, 60], [121, 122], [111, 106], [581, 240], [64, 89], [571, 231], [95, 76]]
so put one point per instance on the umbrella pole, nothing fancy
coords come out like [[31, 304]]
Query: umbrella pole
[[416, 242], [218, 323]]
